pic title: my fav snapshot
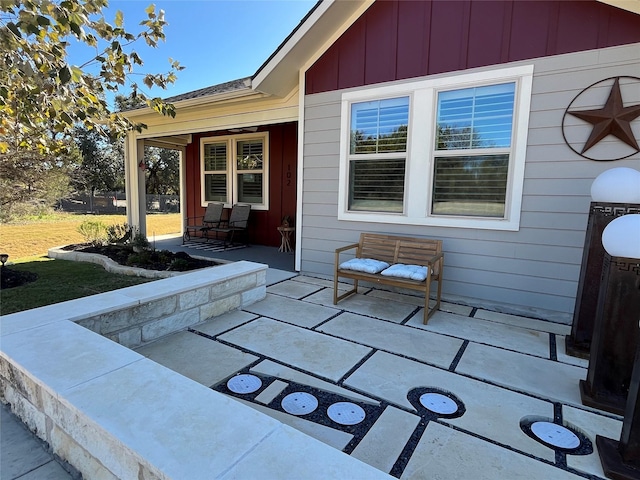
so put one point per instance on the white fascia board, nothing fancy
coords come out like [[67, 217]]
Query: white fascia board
[[280, 75], [268, 69], [200, 101], [629, 5]]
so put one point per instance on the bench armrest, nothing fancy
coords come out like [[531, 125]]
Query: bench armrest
[[436, 257], [436, 263], [347, 247], [342, 249]]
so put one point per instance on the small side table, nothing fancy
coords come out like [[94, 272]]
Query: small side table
[[285, 233]]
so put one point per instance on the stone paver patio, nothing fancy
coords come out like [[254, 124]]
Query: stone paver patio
[[372, 350]]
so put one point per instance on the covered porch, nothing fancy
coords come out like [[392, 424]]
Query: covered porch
[[236, 145]]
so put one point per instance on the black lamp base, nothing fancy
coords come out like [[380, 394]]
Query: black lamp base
[[612, 463], [608, 403], [576, 348]]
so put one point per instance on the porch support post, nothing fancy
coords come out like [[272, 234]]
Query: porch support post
[[183, 188], [135, 183]]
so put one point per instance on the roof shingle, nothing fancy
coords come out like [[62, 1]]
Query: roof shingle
[[239, 84]]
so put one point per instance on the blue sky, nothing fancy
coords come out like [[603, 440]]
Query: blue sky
[[216, 40]]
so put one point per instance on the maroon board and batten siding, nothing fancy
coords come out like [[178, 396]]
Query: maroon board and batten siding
[[400, 39], [283, 141]]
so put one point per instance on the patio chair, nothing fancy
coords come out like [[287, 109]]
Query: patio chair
[[211, 219], [238, 224]]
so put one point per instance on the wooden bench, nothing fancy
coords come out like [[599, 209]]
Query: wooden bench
[[394, 250]]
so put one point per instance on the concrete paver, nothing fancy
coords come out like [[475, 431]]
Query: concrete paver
[[196, 357], [311, 351], [267, 367], [293, 289], [516, 321], [446, 453], [23, 455], [385, 441], [553, 380], [520, 339], [225, 322], [365, 305], [292, 311], [272, 391], [426, 346]]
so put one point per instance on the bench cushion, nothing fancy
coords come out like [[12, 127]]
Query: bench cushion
[[366, 265], [413, 272]]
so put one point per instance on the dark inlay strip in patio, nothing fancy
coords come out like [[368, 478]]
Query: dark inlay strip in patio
[[454, 363]]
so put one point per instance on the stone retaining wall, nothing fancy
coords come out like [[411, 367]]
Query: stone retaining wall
[[178, 310]]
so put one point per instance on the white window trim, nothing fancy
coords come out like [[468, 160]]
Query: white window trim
[[420, 140], [231, 141]]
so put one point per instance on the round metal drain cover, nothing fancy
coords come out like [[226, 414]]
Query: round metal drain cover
[[438, 403], [555, 435], [299, 403], [346, 413], [244, 383]]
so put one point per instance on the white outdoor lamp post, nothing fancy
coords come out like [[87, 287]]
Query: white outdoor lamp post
[[614, 193], [621, 239]]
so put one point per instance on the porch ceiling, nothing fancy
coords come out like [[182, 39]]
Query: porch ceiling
[[173, 141]]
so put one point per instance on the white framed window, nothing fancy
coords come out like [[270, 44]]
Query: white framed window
[[448, 151], [378, 155], [234, 169]]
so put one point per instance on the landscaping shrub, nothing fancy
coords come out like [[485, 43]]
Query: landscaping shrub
[[140, 241], [93, 232], [179, 265], [119, 233]]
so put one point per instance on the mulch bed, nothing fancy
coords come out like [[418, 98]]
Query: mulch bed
[[13, 278], [161, 260], [122, 254]]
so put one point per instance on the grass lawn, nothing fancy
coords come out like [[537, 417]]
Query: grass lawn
[[34, 237], [61, 280], [27, 243]]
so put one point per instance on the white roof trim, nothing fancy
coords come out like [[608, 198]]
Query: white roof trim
[[267, 69], [198, 101], [629, 5], [279, 75]]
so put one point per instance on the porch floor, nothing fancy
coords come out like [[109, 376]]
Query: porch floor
[[501, 372]]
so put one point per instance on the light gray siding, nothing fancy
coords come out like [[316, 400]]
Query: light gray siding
[[532, 271]]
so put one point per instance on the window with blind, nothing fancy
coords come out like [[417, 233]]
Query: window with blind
[[235, 169], [472, 150], [215, 172], [377, 155], [448, 151]]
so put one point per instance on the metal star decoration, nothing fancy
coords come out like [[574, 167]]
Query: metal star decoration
[[612, 119]]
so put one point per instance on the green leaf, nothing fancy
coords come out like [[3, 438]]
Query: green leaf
[[66, 118], [64, 74], [76, 28], [14, 29], [119, 21], [76, 73]]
